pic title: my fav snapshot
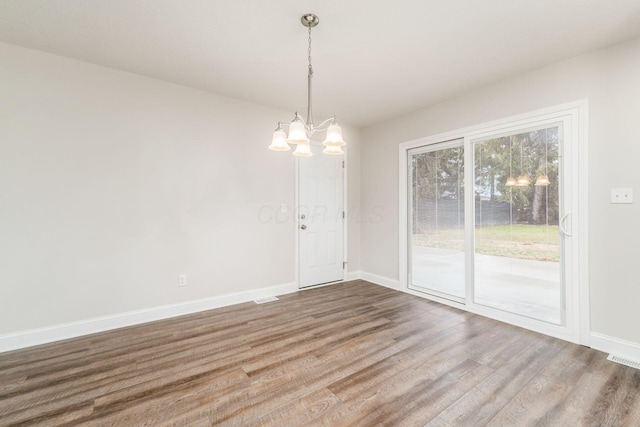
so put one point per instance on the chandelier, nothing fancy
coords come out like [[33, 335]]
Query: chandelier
[[300, 132]]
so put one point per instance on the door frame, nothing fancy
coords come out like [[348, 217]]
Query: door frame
[[578, 327], [296, 217]]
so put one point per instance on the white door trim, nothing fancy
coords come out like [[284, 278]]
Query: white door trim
[[578, 111]]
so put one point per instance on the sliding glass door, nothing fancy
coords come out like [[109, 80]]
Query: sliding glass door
[[437, 219], [518, 249], [489, 218]]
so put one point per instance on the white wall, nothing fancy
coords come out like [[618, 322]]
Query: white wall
[[610, 79], [113, 184]]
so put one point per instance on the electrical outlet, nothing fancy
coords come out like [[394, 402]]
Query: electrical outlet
[[621, 195], [182, 280]]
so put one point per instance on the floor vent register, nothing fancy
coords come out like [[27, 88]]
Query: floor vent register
[[624, 361]]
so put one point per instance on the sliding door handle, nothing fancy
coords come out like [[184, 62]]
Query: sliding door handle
[[562, 224]]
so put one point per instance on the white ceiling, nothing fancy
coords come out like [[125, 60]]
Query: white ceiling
[[372, 59]]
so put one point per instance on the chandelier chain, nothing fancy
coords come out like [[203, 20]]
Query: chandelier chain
[[309, 76], [309, 50]]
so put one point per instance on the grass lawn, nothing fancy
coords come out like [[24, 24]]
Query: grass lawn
[[538, 242]]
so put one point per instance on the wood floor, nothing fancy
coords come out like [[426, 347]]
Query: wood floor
[[348, 354]]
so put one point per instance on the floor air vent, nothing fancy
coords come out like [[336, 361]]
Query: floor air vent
[[265, 299], [623, 361]]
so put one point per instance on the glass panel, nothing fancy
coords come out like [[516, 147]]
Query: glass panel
[[437, 221], [517, 241]]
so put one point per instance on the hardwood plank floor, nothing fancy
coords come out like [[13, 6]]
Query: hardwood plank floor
[[348, 354]]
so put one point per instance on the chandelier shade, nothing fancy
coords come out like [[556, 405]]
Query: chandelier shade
[[334, 136], [542, 180], [511, 181], [303, 149], [297, 132], [333, 150], [300, 133], [522, 181], [279, 141]]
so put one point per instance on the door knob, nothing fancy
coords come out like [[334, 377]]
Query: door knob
[[303, 227]]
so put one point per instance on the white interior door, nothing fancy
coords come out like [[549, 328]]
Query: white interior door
[[320, 220]]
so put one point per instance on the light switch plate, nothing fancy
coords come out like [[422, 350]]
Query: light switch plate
[[621, 195]]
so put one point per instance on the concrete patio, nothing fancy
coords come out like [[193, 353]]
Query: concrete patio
[[526, 287]]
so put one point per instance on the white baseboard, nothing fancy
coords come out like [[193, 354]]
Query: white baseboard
[[616, 346], [22, 339], [380, 280]]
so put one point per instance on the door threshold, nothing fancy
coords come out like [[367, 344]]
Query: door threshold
[[320, 284]]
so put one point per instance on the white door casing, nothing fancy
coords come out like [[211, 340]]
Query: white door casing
[[320, 219]]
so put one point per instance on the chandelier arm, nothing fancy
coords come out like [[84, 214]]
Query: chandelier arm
[[320, 126], [287, 124]]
